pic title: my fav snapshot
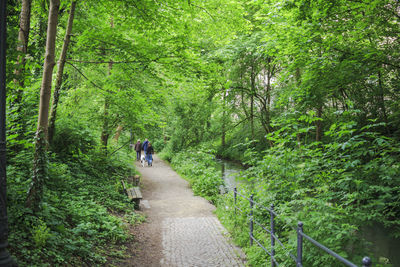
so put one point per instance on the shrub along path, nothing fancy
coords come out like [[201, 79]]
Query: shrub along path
[[181, 229]]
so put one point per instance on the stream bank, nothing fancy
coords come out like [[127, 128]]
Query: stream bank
[[384, 247]]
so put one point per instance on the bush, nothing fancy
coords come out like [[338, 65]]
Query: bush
[[334, 189], [72, 138], [77, 224], [199, 167]]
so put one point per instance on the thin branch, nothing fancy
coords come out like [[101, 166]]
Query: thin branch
[[237, 124], [205, 11], [84, 76], [122, 62], [104, 62]]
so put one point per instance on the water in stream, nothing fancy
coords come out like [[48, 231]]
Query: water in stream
[[229, 172], [386, 249]]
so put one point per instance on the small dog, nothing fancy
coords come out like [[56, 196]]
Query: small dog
[[142, 160]]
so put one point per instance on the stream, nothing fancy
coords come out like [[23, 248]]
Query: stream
[[229, 171], [386, 249]]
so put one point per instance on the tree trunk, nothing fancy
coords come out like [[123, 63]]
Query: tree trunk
[[266, 103], [23, 38], [253, 88], [105, 133], [318, 125], [5, 258], [118, 132], [382, 102], [40, 160], [19, 80], [223, 127], [60, 71]]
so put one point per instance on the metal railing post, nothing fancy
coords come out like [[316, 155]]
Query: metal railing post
[[251, 220], [234, 207], [366, 262], [234, 197], [299, 261], [272, 235]]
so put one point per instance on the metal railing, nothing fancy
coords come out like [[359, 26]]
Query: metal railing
[[301, 236]]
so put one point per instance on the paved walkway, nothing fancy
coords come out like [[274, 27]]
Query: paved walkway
[[181, 229]]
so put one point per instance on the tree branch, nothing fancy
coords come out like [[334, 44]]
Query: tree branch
[[105, 62], [84, 76]]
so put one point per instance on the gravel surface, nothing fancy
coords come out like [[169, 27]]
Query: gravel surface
[[181, 229]]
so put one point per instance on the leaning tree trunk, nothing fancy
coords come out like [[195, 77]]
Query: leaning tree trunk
[[59, 79], [40, 159]]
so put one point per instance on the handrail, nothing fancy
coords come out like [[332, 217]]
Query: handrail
[[327, 250], [366, 261]]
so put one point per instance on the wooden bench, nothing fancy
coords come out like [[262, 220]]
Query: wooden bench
[[135, 180], [133, 194]]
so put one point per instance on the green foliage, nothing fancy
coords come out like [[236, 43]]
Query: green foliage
[[134, 218], [72, 138], [332, 188], [78, 222], [314, 82], [40, 234], [199, 167]]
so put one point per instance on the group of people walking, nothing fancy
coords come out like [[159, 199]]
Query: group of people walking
[[148, 151]]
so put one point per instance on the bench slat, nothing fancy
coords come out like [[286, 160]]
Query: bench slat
[[134, 193], [137, 192]]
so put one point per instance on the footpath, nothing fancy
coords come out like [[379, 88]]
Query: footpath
[[181, 229]]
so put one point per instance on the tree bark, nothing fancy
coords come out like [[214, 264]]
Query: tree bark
[[19, 80], [23, 38], [223, 127], [118, 132], [105, 133], [60, 71], [5, 258], [318, 125], [253, 88], [40, 161], [381, 102], [266, 101]]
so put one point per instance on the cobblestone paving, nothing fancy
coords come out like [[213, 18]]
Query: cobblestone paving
[[181, 229], [196, 242]]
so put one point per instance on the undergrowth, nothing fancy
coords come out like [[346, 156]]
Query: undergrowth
[[84, 215], [331, 188], [199, 168]]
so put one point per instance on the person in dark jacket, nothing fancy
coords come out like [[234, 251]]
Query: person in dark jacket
[[145, 145], [149, 154], [138, 149]]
